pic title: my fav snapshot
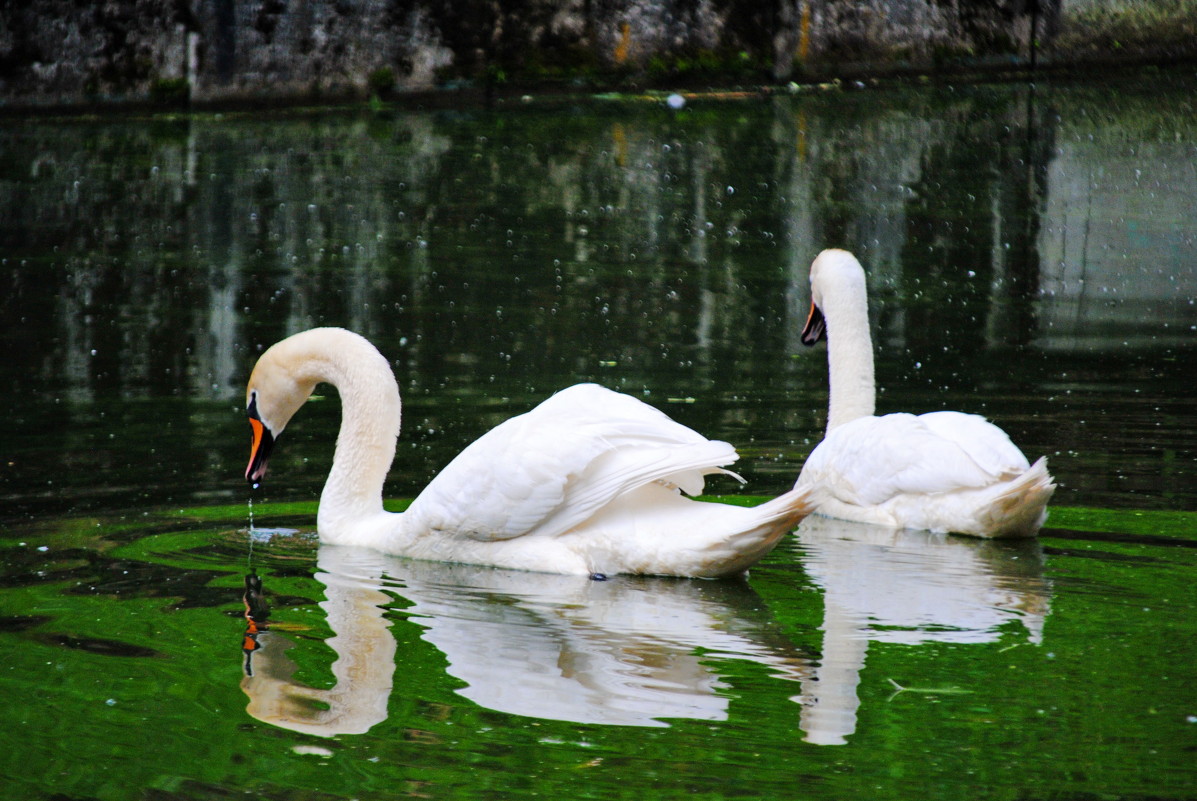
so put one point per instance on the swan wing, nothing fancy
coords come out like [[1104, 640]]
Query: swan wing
[[550, 469], [870, 460], [985, 443]]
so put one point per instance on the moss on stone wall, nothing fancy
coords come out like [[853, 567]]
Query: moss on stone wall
[[175, 51], [1128, 29]]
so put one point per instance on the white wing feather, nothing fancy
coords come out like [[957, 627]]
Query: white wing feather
[[546, 471], [873, 459], [985, 443]]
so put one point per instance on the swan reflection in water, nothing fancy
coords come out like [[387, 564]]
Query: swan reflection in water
[[626, 651], [638, 651], [907, 587]]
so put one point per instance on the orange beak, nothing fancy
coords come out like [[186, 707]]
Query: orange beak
[[260, 446]]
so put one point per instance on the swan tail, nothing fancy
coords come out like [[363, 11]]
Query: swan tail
[[754, 534], [1018, 508]]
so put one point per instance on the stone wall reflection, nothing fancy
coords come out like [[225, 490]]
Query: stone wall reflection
[[508, 255], [1119, 244]]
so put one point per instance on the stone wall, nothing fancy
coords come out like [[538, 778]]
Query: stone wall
[[62, 52]]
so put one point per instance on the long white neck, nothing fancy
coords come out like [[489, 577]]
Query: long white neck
[[370, 420], [845, 306]]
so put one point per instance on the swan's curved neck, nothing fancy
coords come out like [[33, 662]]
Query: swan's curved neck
[[849, 354], [370, 420]]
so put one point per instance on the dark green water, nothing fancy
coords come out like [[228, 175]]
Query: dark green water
[[1031, 257]]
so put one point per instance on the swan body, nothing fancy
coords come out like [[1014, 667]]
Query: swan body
[[941, 471], [588, 482]]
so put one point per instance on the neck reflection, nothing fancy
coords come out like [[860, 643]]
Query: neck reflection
[[907, 587]]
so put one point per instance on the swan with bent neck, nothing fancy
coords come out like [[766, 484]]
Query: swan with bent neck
[[941, 471], [591, 481]]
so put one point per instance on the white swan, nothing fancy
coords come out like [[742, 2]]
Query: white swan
[[942, 471], [588, 482]]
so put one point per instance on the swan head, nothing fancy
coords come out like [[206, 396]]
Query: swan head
[[834, 274], [277, 387]]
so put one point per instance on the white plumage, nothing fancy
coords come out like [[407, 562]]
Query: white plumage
[[941, 471], [589, 481]]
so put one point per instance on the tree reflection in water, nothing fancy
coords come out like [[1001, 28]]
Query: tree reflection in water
[[497, 256]]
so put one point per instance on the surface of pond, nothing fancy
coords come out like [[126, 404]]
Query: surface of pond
[[1031, 257]]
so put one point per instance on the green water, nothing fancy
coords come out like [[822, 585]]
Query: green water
[[1030, 255]]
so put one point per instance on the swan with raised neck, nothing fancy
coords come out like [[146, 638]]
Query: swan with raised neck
[[839, 313], [941, 471], [590, 481]]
